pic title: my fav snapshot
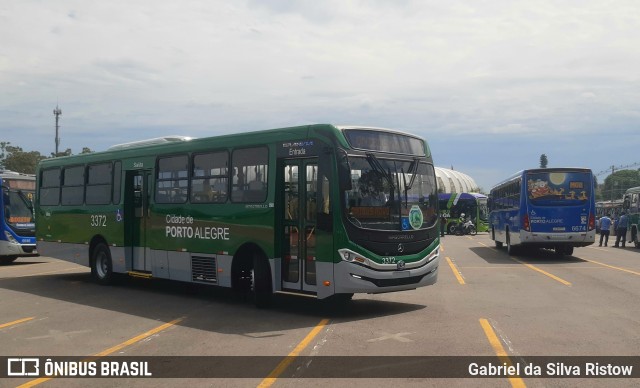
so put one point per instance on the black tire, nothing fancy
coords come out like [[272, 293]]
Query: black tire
[[472, 230], [510, 248], [634, 238], [564, 250], [452, 228], [101, 265], [261, 282], [493, 237], [342, 298], [7, 260]]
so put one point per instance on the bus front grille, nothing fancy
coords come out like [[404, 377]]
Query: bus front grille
[[204, 269]]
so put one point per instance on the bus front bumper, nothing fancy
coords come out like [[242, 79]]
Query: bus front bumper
[[9, 248], [353, 278]]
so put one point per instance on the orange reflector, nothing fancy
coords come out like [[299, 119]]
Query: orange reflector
[[326, 283], [359, 259]]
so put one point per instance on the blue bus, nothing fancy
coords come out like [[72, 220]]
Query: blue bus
[[544, 208], [17, 226]]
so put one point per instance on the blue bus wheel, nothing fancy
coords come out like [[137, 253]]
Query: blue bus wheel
[[7, 260], [510, 248]]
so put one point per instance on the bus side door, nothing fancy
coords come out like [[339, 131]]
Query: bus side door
[[137, 191], [299, 237]]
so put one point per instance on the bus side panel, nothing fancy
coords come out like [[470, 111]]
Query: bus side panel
[[75, 229], [503, 220], [74, 253]]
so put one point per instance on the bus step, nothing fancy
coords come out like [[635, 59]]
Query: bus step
[[139, 274], [297, 293]]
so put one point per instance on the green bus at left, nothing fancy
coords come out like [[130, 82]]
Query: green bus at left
[[320, 211], [631, 205]]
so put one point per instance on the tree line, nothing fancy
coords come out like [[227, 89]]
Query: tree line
[[614, 186], [16, 159]]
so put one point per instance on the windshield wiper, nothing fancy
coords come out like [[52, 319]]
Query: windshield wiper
[[26, 200], [413, 169], [377, 167]]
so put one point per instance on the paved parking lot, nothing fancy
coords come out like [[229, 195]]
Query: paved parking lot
[[486, 303]]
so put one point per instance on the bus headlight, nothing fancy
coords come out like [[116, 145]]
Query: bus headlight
[[10, 237], [350, 256], [433, 255]]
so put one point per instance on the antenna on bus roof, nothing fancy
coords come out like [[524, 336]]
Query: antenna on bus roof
[[148, 142]]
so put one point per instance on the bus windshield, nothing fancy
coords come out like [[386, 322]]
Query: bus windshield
[[390, 194], [483, 212], [18, 207], [564, 188]]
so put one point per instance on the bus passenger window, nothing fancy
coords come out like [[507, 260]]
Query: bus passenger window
[[250, 166]]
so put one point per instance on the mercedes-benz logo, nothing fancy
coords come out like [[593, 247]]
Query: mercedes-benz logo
[[401, 265], [400, 248]]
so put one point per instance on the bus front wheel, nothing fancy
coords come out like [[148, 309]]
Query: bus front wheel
[[101, 266], [7, 260], [493, 237], [261, 281]]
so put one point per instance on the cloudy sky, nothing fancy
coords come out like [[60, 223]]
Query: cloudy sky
[[490, 84]]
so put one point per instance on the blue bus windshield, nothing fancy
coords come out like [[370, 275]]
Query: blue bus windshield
[[17, 208], [562, 188]]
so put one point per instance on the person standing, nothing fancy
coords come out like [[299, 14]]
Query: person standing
[[621, 231], [605, 227]]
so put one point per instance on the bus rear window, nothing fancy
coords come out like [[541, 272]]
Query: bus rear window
[[559, 188]]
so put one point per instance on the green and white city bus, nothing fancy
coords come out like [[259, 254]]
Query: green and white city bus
[[315, 210], [472, 205]]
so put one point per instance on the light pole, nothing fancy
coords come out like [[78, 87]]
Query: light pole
[[57, 112]]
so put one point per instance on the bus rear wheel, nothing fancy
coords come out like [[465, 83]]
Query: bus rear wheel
[[511, 250], [101, 266], [564, 250]]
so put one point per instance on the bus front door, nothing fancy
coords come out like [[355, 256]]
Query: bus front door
[[137, 214], [299, 222]]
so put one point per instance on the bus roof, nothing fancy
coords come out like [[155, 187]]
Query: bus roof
[[16, 175], [462, 195], [540, 170], [632, 190], [142, 143], [248, 139]]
